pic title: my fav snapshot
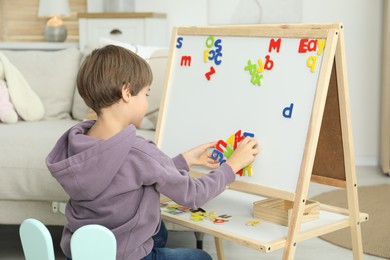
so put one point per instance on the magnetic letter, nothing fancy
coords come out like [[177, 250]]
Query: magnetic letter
[[312, 46], [321, 45], [216, 60], [219, 144], [287, 111], [269, 64], [238, 138], [311, 63], [251, 67], [217, 155], [256, 79], [248, 170], [210, 42], [229, 151], [211, 72], [179, 42], [214, 56], [185, 61], [206, 55], [218, 52], [303, 46], [274, 45], [261, 66], [249, 134], [217, 44], [232, 141]]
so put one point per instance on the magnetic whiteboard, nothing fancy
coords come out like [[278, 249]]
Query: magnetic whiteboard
[[212, 91]]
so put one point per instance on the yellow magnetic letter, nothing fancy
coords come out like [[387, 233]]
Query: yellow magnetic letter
[[261, 66], [311, 63], [321, 45], [206, 55]]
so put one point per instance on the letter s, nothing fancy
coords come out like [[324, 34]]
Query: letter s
[[179, 42]]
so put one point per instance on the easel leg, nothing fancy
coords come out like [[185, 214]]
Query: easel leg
[[219, 248], [353, 205], [350, 166], [356, 237]]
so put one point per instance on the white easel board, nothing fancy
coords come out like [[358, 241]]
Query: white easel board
[[275, 104]]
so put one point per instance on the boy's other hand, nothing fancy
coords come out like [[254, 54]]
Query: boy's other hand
[[200, 155]]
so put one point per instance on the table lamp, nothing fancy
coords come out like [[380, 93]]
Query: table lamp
[[55, 29]]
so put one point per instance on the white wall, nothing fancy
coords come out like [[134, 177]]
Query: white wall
[[362, 20], [179, 12]]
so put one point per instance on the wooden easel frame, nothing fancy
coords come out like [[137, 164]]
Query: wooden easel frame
[[346, 177], [329, 102]]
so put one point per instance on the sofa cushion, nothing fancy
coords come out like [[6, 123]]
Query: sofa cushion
[[23, 172], [52, 76], [147, 134], [79, 108], [158, 63]]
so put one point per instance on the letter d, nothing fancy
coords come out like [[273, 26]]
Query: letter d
[[287, 111]]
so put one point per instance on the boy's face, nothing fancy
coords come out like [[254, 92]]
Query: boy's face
[[139, 106]]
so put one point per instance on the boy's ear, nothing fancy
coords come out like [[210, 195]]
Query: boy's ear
[[126, 93]]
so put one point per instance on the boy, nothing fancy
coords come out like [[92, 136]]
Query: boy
[[114, 177]]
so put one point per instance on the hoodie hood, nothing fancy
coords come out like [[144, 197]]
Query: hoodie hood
[[78, 160]]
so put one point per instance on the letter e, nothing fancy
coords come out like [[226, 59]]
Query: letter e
[[303, 46]]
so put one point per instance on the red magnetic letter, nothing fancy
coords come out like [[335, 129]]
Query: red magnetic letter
[[275, 45], [303, 46], [185, 61]]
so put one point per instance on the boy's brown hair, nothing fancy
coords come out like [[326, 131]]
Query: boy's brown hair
[[105, 71]]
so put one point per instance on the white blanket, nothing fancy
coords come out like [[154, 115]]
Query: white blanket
[[26, 102]]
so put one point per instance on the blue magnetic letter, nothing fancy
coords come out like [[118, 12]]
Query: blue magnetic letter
[[179, 42], [287, 111]]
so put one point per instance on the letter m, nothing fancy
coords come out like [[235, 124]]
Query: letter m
[[275, 44], [185, 61]]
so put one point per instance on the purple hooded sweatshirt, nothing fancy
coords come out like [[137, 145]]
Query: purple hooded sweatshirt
[[117, 183]]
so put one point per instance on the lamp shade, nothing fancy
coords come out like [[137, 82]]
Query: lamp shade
[[48, 8]]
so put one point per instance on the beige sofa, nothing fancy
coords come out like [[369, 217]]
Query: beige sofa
[[27, 190]]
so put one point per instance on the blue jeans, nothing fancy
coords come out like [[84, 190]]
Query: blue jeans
[[160, 252]]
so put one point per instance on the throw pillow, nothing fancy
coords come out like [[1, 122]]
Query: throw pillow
[[52, 76]]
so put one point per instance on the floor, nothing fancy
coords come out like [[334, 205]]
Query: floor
[[10, 248]]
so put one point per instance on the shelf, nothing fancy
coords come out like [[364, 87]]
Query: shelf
[[266, 236], [121, 15], [50, 46]]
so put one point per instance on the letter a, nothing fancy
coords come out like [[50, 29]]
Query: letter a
[[287, 111]]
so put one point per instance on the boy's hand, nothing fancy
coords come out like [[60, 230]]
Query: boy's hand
[[244, 154], [200, 155]]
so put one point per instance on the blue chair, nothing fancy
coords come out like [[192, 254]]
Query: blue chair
[[93, 242], [36, 240]]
